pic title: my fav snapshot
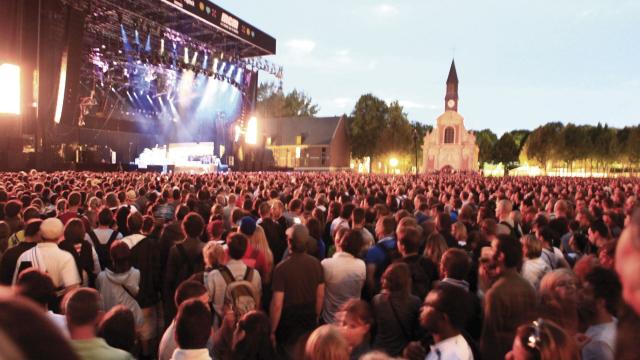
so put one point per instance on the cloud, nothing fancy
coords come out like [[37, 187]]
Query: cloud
[[300, 46], [385, 9], [408, 104]]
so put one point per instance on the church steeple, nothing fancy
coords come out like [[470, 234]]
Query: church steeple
[[451, 98]]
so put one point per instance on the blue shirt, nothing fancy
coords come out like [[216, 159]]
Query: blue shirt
[[375, 255]]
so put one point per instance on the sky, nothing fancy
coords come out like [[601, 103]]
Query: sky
[[520, 63]]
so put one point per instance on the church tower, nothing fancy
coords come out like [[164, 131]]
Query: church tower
[[451, 98]]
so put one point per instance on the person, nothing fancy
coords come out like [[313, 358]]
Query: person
[[354, 320], [598, 233], [120, 284], [559, 298], [274, 232], [423, 270], [344, 274], [627, 265], [459, 232], [46, 256], [193, 331], [533, 267], [343, 219], [37, 286], [600, 299], [118, 328], [103, 236], [550, 253], [9, 259], [84, 254], [82, 310], [543, 340], [326, 343], [73, 205], [298, 291], [396, 310], [252, 338], [358, 222], [213, 256], [509, 303], [378, 257]]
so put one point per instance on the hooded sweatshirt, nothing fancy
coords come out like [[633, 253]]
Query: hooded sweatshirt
[[120, 288]]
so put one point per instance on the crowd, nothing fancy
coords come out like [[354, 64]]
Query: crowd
[[317, 266]]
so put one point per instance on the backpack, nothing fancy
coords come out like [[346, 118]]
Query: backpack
[[514, 230], [240, 295], [420, 279], [103, 249], [391, 255]]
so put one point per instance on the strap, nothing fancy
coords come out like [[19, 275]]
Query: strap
[[94, 238], [227, 275], [112, 238], [248, 274], [395, 315]]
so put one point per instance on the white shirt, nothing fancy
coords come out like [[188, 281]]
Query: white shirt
[[194, 354], [103, 235], [344, 277], [602, 343], [60, 321], [533, 270], [57, 263], [217, 287], [168, 345], [453, 348]]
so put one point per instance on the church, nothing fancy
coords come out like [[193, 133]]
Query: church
[[449, 146]]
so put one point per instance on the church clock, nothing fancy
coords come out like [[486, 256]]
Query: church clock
[[451, 103]]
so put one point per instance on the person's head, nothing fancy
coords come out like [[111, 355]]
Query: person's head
[[120, 256], [445, 309], [13, 209], [265, 210], [82, 308], [459, 231], [193, 225], [75, 199], [74, 231], [606, 254], [134, 222], [51, 230], [346, 210], [455, 264], [351, 242], [358, 217], [193, 325], [237, 244], [297, 237], [32, 230], [37, 286], [627, 265], [507, 252], [543, 340], [503, 209], [190, 289], [215, 229], [601, 291], [326, 343], [396, 279], [105, 216], [385, 226], [354, 320], [435, 246], [247, 226], [252, 337], [598, 232], [531, 246], [408, 241], [213, 254], [118, 328], [559, 285], [277, 208]]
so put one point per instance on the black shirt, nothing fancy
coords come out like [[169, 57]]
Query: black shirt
[[9, 260]]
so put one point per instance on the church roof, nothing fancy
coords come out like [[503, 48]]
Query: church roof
[[453, 75], [314, 130]]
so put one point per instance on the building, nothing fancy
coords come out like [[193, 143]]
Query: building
[[308, 143], [449, 146]]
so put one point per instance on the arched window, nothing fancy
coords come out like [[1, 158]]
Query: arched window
[[448, 135]]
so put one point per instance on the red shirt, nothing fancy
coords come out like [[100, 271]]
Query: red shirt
[[251, 258]]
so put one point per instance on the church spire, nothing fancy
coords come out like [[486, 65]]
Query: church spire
[[451, 98]]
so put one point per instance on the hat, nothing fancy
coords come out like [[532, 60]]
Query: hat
[[247, 225], [51, 229], [131, 195]]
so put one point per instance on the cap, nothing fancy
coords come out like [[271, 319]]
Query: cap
[[247, 225], [51, 229]]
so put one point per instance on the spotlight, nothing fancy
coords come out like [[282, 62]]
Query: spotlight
[[10, 89], [186, 55], [215, 65], [194, 59]]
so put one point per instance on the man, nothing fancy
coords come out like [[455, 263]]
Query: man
[[505, 223], [342, 221], [37, 286], [186, 291], [226, 212], [598, 234], [10, 257], [551, 254], [559, 223], [193, 331], [600, 299], [47, 257], [30, 213], [236, 269], [423, 270], [443, 315], [344, 274], [274, 232], [103, 236], [509, 303], [378, 257], [83, 315], [628, 265], [358, 222], [73, 204], [298, 291]]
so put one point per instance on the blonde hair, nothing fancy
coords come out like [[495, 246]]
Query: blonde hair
[[259, 241], [213, 253], [532, 246], [459, 231], [435, 247], [326, 343], [551, 279]]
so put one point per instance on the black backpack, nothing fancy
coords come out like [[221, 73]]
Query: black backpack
[[515, 232], [103, 249], [420, 279]]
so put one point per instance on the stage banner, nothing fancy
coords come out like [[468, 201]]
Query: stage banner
[[220, 18]]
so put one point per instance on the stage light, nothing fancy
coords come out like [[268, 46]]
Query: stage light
[[137, 37], [393, 162], [61, 88], [10, 89], [251, 136], [237, 133], [204, 63], [147, 46], [239, 76], [215, 65], [224, 64], [186, 55], [194, 59], [230, 71], [161, 46]]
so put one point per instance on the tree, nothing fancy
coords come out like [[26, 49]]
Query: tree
[[506, 151], [485, 139], [272, 102], [520, 137], [544, 143], [369, 121], [398, 133], [297, 103]]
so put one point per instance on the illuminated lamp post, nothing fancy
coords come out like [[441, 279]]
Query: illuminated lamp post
[[415, 145]]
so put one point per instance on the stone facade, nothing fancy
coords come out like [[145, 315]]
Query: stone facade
[[449, 146]]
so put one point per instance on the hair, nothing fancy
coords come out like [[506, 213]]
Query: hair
[[118, 328], [600, 227], [75, 199], [193, 324], [120, 256], [193, 225], [326, 343], [264, 209], [74, 231], [512, 250], [351, 242], [532, 245], [213, 253], [346, 210], [453, 301], [396, 279], [299, 237], [258, 240], [82, 306], [105, 216], [134, 222], [456, 263], [32, 227], [37, 286], [435, 247], [460, 231], [358, 215], [188, 289], [606, 286], [388, 224], [358, 309], [256, 343], [409, 237], [12, 208], [237, 244], [551, 279], [554, 342]]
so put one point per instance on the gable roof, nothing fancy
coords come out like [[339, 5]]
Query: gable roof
[[314, 130]]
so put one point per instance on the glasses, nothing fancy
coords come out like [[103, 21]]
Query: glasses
[[567, 284]]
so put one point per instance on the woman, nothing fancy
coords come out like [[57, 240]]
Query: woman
[[258, 241], [252, 338], [436, 246], [82, 250], [459, 232], [213, 255], [354, 321], [326, 343], [315, 245], [533, 267], [559, 298], [396, 310], [543, 340]]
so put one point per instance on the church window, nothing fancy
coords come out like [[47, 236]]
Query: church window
[[448, 135]]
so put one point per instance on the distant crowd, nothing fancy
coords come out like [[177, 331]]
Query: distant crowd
[[320, 266]]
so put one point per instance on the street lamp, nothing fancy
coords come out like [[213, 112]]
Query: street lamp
[[415, 145]]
